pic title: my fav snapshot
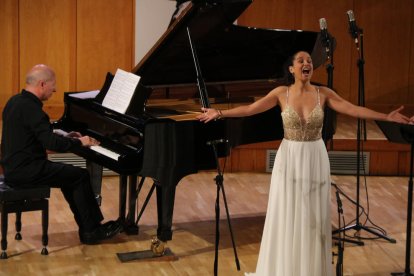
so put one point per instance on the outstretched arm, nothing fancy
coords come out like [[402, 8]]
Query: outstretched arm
[[261, 105], [340, 105]]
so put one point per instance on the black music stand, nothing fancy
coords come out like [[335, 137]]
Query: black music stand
[[403, 134]]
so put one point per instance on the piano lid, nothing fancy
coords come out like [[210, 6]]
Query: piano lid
[[226, 52]]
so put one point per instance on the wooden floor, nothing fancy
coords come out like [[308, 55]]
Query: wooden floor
[[194, 231]]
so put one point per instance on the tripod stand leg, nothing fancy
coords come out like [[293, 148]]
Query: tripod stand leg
[[219, 184], [217, 208], [230, 228], [379, 235], [360, 243]]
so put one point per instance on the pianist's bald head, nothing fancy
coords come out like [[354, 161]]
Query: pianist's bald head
[[41, 81], [39, 72]]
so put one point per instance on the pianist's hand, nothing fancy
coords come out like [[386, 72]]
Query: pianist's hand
[[411, 121], [88, 141], [74, 134]]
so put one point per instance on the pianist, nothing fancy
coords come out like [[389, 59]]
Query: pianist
[[27, 135]]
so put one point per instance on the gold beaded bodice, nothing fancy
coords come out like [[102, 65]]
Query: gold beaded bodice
[[298, 129]]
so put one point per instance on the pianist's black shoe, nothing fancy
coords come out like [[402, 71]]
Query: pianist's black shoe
[[102, 232]]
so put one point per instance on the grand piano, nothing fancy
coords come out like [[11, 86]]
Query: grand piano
[[158, 137]]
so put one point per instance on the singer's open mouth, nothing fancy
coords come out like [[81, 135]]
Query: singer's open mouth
[[306, 71]]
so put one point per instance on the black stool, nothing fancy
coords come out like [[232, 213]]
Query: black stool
[[18, 200]]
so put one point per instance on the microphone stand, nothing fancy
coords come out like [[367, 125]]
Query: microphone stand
[[407, 270], [329, 43], [219, 183], [341, 247], [219, 178], [361, 102]]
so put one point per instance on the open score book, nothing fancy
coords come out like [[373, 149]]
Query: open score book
[[121, 91]]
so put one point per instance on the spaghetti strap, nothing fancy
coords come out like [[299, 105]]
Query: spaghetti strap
[[287, 96], [319, 97]]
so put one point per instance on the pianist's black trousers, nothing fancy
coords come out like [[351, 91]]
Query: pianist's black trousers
[[75, 185]]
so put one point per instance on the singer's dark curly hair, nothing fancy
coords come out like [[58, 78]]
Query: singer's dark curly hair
[[288, 78]]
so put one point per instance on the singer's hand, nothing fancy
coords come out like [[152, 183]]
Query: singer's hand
[[396, 116], [208, 115]]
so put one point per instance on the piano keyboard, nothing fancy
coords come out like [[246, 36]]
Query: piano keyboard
[[106, 152]]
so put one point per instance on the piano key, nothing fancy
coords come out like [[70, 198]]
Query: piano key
[[106, 152]]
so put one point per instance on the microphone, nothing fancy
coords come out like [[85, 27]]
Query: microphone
[[215, 142], [325, 35], [353, 28]]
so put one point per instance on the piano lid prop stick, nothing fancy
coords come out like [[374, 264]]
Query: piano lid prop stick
[[200, 81]]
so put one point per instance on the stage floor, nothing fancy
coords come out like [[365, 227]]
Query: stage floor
[[194, 230]]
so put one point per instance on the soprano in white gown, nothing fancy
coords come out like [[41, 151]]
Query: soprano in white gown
[[297, 238]]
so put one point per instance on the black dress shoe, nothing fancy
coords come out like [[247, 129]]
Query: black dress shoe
[[102, 232]]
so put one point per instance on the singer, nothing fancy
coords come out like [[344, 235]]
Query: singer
[[297, 232]]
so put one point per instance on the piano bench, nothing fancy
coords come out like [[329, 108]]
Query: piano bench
[[18, 200]]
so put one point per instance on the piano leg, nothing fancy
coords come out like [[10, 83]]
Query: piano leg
[[95, 173], [131, 228], [165, 208], [123, 183], [128, 220]]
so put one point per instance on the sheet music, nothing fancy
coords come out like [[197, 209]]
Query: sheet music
[[121, 91], [85, 95]]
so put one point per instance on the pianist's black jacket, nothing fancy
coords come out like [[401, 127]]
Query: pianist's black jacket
[[27, 134]]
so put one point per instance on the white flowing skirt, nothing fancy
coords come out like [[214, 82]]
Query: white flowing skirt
[[297, 237]]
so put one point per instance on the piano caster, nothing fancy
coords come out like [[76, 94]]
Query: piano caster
[[157, 247]]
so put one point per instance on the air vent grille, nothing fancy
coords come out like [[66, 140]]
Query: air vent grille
[[75, 160]]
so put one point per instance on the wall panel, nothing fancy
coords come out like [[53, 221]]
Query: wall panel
[[305, 15], [388, 42], [83, 39], [9, 65], [270, 14], [47, 35], [386, 25], [337, 26], [410, 96], [104, 40]]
